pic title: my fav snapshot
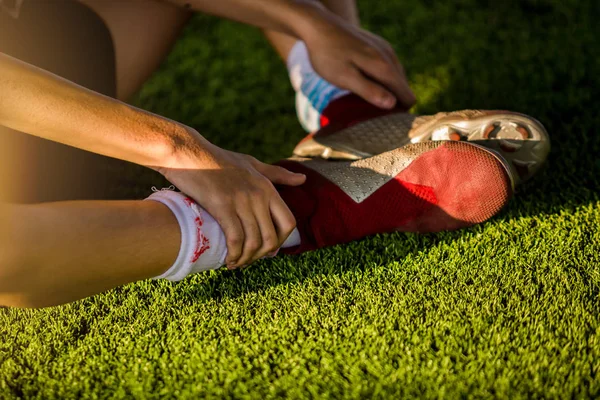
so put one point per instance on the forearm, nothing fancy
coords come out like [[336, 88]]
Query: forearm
[[286, 16], [41, 104], [346, 9]]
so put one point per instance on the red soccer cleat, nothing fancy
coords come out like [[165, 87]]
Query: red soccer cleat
[[423, 187], [353, 129]]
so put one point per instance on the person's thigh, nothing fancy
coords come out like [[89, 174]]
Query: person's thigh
[[143, 32], [68, 39]]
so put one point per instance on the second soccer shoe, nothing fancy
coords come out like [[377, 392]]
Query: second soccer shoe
[[352, 129]]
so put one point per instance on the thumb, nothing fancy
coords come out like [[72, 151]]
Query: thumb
[[280, 176]]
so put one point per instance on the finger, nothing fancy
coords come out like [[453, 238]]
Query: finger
[[284, 220], [279, 175], [411, 98], [252, 235], [366, 88], [408, 98], [387, 50], [391, 55], [270, 240], [387, 73], [402, 90], [234, 234]]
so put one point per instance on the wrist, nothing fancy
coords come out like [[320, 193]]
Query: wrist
[[319, 23], [185, 149], [306, 18]]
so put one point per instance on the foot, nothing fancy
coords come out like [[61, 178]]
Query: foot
[[422, 187], [353, 129]]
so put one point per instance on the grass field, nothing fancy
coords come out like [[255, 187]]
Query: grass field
[[510, 308]]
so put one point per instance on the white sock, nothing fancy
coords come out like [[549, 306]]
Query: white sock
[[203, 244], [313, 93]]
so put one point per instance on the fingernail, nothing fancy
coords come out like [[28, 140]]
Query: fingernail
[[388, 102]]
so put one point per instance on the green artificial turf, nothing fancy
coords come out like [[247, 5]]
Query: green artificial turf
[[509, 308]]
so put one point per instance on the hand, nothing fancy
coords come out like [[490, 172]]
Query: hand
[[237, 190], [354, 59]]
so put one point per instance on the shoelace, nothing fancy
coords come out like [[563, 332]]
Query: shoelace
[[154, 188]]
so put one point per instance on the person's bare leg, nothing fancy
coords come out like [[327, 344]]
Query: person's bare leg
[[143, 33], [56, 253], [344, 8]]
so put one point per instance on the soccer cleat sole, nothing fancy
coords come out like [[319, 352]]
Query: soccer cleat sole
[[520, 140]]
